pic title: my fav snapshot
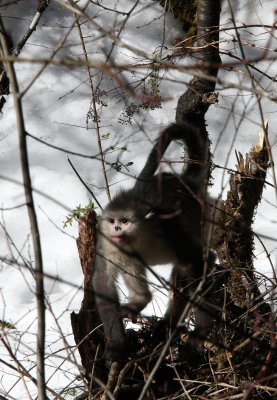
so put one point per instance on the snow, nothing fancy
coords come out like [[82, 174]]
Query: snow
[[55, 110]]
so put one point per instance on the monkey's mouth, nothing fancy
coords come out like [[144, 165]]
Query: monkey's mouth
[[118, 238]]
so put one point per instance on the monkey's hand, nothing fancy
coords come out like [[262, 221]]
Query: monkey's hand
[[130, 311]]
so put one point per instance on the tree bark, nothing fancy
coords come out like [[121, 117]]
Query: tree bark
[[85, 325]]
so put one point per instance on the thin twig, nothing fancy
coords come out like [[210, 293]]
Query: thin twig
[[43, 4], [93, 104], [84, 183], [23, 370], [195, 69]]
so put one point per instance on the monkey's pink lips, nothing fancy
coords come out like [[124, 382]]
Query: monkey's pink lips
[[117, 238]]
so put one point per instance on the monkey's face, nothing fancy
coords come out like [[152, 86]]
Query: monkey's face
[[119, 228]]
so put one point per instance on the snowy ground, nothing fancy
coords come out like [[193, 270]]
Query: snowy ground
[[55, 111]]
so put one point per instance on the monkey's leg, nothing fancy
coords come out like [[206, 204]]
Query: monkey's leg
[[139, 294], [179, 297], [204, 313], [104, 283], [184, 285]]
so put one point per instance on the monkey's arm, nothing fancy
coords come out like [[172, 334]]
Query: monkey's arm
[[104, 283], [139, 293]]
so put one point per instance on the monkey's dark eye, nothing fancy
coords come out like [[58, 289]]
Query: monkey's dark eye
[[111, 220], [125, 221]]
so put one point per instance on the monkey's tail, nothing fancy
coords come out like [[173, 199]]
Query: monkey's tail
[[197, 147]]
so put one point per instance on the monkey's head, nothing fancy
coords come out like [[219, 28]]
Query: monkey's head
[[126, 224], [120, 226]]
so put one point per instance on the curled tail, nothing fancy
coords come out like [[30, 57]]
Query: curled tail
[[197, 148]]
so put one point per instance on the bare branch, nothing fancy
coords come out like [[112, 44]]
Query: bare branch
[[43, 4], [33, 220], [93, 103]]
